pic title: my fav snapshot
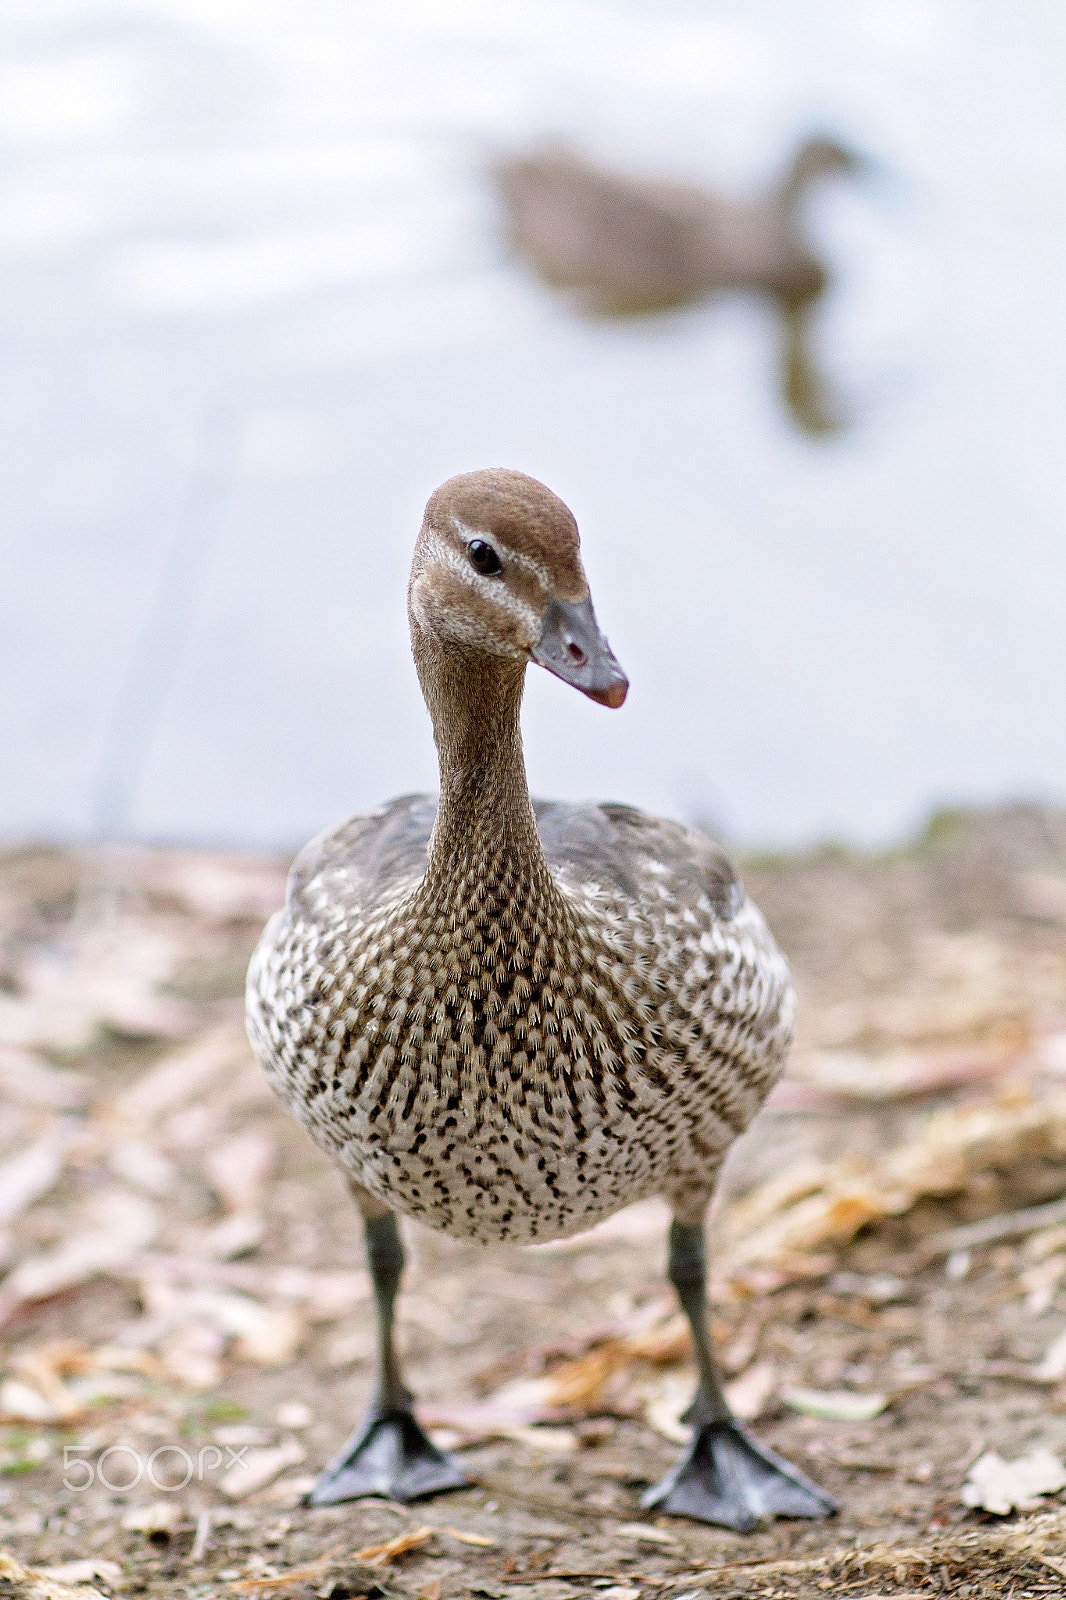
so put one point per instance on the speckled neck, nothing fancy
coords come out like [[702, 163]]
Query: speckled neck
[[475, 701]]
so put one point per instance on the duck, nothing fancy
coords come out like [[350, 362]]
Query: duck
[[508, 1018], [624, 246]]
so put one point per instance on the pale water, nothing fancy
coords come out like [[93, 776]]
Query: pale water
[[253, 307]]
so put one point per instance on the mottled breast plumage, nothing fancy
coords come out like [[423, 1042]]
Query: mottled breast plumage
[[519, 1047]]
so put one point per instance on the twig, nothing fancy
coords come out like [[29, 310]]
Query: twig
[[499, 1486], [1023, 1541], [1005, 1225], [282, 1580], [526, 1577], [203, 1533]]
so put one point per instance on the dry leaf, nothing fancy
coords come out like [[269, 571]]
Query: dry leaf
[[240, 1169], [29, 1080], [1053, 1367], [378, 1555], [140, 1163], [162, 1516], [213, 887], [857, 1075], [835, 1405], [273, 1338], [110, 975], [468, 1538], [117, 1358], [1050, 1054], [269, 1335], [1040, 1282], [179, 1078], [47, 1364], [30, 1583], [239, 1234], [22, 1402], [517, 1404], [1004, 1486], [294, 1414], [287, 1492], [1044, 894], [823, 1203], [552, 1441], [192, 1354], [39, 1394], [967, 986], [326, 1295], [578, 1385], [664, 1345], [260, 1467], [1048, 1242], [748, 1395], [126, 1223], [664, 1403], [238, 1433], [84, 1571], [29, 1175], [303, 1574]]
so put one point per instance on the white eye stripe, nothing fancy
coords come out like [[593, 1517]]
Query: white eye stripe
[[525, 614], [440, 550], [514, 558]]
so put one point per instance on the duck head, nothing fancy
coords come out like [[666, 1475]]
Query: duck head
[[497, 572], [820, 156]]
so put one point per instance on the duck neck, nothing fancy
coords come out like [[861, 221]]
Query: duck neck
[[790, 192], [795, 182], [475, 702]]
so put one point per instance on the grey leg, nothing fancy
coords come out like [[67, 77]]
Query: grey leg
[[386, 1260], [725, 1476], [389, 1454], [687, 1271]]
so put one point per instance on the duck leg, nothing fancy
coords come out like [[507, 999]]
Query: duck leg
[[388, 1454], [725, 1476], [803, 387]]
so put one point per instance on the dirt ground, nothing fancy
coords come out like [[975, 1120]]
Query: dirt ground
[[184, 1296]]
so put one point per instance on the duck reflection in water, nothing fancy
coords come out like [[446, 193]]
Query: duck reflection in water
[[630, 246]]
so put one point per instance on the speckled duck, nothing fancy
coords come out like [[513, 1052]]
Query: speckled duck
[[508, 1019], [624, 246]]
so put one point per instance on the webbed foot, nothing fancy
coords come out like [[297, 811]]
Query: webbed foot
[[390, 1456], [729, 1478]]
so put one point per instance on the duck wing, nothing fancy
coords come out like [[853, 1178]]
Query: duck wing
[[355, 866], [618, 850], [626, 853]]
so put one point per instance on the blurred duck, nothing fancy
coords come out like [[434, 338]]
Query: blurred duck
[[630, 246], [508, 1019]]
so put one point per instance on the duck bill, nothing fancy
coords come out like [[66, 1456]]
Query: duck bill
[[572, 646]]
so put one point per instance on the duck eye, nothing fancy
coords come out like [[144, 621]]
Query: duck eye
[[483, 558]]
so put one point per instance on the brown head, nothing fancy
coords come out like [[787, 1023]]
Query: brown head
[[497, 571], [821, 157]]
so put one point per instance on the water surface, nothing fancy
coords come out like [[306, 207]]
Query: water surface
[[253, 307]]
